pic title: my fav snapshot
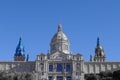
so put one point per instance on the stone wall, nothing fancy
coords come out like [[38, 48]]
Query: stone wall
[[97, 67], [17, 66]]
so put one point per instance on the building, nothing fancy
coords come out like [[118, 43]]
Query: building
[[59, 63]]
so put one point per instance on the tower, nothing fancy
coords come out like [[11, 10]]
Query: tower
[[20, 52], [60, 42], [99, 52]]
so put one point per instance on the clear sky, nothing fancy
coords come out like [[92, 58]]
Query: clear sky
[[82, 20]]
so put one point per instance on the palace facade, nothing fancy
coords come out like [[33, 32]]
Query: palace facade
[[59, 63]]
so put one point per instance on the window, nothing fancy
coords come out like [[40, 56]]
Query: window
[[42, 73], [66, 47], [59, 67], [68, 68], [50, 68], [41, 58], [50, 78], [42, 66], [76, 73], [69, 78], [59, 78]]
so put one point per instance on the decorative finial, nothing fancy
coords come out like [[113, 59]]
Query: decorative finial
[[20, 39], [98, 41], [27, 57], [90, 58], [59, 27]]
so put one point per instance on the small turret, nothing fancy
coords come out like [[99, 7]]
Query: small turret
[[20, 52], [99, 52]]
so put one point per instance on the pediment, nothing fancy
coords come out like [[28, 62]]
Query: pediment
[[58, 55]]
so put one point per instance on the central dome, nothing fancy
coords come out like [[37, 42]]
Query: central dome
[[59, 42], [59, 35]]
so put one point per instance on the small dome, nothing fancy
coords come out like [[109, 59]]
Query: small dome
[[100, 47], [99, 51]]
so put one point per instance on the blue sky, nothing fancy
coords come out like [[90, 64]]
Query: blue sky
[[37, 21]]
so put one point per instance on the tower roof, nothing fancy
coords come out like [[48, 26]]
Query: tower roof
[[98, 41], [20, 49]]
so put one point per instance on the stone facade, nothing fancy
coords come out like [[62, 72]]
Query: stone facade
[[17, 66], [72, 66], [59, 63], [97, 67]]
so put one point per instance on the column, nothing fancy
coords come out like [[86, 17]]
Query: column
[[64, 78], [54, 77], [54, 67], [63, 67]]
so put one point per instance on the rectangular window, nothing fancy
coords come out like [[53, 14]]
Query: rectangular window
[[42, 73], [68, 68], [59, 78], [59, 68], [50, 78], [50, 68], [69, 78]]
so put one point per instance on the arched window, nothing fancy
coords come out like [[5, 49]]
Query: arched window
[[59, 67], [68, 68], [50, 68]]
